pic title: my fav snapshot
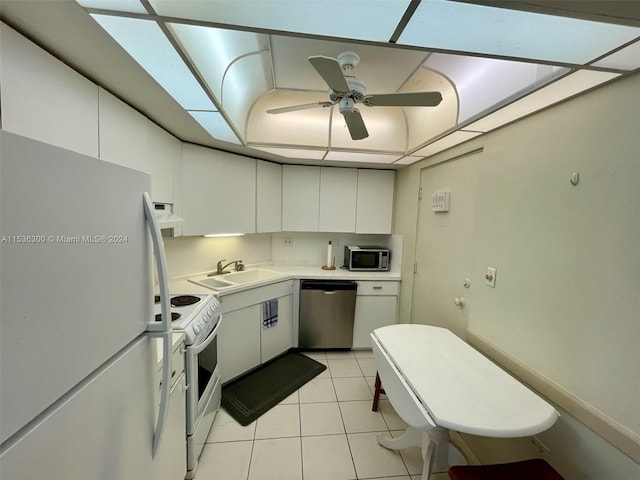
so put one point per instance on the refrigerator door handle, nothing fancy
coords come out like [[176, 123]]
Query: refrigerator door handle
[[161, 266], [163, 328]]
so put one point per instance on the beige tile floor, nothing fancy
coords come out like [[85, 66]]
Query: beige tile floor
[[324, 431]]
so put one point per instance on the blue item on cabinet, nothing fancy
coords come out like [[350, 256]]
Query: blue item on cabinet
[[270, 313]]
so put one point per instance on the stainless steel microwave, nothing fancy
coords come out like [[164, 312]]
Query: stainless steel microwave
[[367, 258]]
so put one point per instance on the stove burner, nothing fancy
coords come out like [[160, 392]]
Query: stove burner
[[174, 316], [184, 300], [156, 299]]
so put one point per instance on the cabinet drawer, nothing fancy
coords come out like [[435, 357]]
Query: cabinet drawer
[[378, 288], [177, 364], [254, 296]]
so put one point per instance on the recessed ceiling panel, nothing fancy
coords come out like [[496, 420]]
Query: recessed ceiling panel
[[449, 141], [564, 88], [383, 69], [360, 157], [466, 27], [216, 126], [246, 80], [387, 129], [294, 153], [147, 44], [132, 6], [485, 83], [627, 58], [356, 19], [213, 50], [308, 127], [425, 123]]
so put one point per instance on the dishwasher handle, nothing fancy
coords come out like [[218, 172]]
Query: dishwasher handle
[[328, 286]]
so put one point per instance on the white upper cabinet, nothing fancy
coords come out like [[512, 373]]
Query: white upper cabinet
[[44, 99], [375, 201], [300, 198], [163, 154], [338, 199], [130, 139], [331, 199], [268, 197], [218, 192]]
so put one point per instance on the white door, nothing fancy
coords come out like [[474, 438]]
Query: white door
[[443, 253]]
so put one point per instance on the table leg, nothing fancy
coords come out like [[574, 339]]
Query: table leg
[[412, 437], [434, 444]]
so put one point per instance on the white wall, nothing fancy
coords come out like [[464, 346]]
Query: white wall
[[566, 302]]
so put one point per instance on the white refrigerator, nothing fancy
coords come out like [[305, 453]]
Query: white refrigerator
[[77, 389]]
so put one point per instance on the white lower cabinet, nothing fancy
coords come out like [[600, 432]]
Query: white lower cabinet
[[170, 462], [279, 337], [243, 343], [376, 306], [239, 341]]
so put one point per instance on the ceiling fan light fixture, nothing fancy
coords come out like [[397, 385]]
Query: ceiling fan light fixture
[[347, 105]]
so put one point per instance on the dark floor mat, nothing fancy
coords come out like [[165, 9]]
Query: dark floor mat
[[253, 394]]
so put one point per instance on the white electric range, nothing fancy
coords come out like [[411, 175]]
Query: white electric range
[[199, 318]]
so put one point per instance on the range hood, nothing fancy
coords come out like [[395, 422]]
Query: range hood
[[165, 216]]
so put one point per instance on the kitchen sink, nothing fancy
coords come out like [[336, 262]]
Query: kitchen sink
[[249, 276], [212, 283], [228, 280]]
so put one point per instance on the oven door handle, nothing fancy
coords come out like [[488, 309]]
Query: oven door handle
[[205, 343]]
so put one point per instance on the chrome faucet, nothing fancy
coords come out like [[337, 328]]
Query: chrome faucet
[[220, 269]]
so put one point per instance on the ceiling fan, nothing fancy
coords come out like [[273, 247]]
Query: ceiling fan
[[346, 90]]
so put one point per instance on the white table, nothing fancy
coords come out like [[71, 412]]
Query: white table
[[436, 382]]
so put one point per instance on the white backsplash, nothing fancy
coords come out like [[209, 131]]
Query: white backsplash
[[311, 248], [193, 255], [189, 255]]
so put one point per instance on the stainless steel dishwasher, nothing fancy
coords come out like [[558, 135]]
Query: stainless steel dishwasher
[[327, 309]]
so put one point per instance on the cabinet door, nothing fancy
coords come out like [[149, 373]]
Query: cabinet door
[[239, 342], [218, 192], [44, 99], [372, 312], [300, 198], [130, 139], [375, 201], [338, 199], [279, 338], [268, 197], [170, 462]]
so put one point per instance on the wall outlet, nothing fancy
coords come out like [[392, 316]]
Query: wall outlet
[[287, 242], [539, 447], [490, 277]]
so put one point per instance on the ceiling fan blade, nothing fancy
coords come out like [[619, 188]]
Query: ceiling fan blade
[[295, 108], [331, 72], [355, 124], [412, 99]]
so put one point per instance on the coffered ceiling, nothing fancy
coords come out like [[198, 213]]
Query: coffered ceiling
[[211, 71]]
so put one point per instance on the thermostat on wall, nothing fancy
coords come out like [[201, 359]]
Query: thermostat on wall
[[440, 202]]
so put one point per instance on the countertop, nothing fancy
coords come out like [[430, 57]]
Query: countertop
[[181, 285]]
